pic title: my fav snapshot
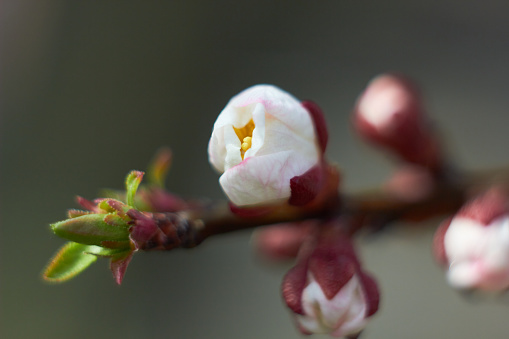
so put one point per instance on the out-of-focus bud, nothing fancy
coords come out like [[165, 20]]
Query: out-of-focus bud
[[389, 113], [474, 244], [262, 140], [282, 241], [328, 292]]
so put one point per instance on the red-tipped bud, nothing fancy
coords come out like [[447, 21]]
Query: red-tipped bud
[[389, 114], [283, 241], [328, 292], [474, 244]]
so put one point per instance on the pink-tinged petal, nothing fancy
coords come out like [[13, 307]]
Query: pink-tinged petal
[[304, 188], [319, 122], [486, 207], [283, 241], [386, 97], [283, 144], [294, 283], [279, 104], [372, 294], [331, 273], [262, 179]]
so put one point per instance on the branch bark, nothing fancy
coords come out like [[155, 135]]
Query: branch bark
[[374, 208]]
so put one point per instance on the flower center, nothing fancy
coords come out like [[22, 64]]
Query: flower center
[[245, 135]]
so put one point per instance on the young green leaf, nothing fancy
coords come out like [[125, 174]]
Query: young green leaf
[[69, 261], [132, 182]]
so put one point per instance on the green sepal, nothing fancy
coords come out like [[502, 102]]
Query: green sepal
[[115, 220], [90, 229], [132, 182], [69, 261], [117, 245], [73, 213]]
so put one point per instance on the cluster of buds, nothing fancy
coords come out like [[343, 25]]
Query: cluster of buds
[[111, 228], [270, 150], [102, 229]]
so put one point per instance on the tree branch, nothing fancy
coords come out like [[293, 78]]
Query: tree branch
[[373, 209]]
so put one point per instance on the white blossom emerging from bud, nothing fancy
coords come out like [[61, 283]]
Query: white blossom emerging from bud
[[263, 138], [344, 314], [478, 254], [327, 291], [474, 245]]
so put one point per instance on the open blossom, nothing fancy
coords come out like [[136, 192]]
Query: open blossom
[[329, 293], [262, 139], [474, 245]]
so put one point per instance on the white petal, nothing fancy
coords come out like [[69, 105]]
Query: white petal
[[464, 239], [464, 274], [283, 145], [344, 314], [262, 179], [232, 145]]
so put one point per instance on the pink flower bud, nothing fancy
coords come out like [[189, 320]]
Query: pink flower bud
[[262, 139], [389, 113], [474, 244], [283, 241], [329, 293]]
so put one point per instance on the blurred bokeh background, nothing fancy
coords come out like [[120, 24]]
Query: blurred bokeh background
[[91, 89]]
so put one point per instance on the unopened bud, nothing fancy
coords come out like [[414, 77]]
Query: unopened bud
[[329, 293], [92, 229], [389, 114], [474, 244]]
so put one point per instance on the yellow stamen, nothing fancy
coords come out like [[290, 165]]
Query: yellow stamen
[[245, 135], [246, 144]]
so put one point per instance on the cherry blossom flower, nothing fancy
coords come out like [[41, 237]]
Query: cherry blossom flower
[[262, 139]]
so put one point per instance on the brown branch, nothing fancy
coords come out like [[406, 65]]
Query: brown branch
[[376, 207]]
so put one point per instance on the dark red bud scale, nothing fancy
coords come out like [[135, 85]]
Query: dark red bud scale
[[371, 292], [486, 207], [304, 188], [319, 122], [331, 273], [294, 283]]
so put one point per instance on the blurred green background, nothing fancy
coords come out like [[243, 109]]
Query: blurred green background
[[91, 89]]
